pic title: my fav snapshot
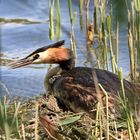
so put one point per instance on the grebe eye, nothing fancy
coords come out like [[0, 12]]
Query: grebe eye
[[36, 56]]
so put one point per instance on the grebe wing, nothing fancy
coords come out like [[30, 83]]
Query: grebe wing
[[76, 88]]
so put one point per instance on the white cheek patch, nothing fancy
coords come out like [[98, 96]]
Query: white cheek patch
[[44, 56], [40, 59], [37, 61]]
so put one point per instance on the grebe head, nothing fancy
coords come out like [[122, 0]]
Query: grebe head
[[52, 54]]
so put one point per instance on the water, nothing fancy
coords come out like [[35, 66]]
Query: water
[[18, 40]]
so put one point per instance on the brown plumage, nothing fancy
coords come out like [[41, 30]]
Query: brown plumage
[[74, 86], [76, 89]]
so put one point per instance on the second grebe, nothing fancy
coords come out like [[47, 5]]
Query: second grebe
[[74, 86]]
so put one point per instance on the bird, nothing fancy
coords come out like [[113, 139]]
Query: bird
[[72, 86]]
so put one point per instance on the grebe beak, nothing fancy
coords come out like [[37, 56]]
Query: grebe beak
[[39, 56], [23, 62]]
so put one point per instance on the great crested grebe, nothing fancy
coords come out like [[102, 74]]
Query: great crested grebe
[[74, 86]]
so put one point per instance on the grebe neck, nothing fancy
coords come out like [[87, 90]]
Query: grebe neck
[[68, 64]]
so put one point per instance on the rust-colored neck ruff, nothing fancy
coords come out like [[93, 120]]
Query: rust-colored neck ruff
[[68, 63], [62, 56]]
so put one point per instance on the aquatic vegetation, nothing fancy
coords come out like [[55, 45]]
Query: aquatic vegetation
[[41, 118], [18, 21], [51, 23]]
